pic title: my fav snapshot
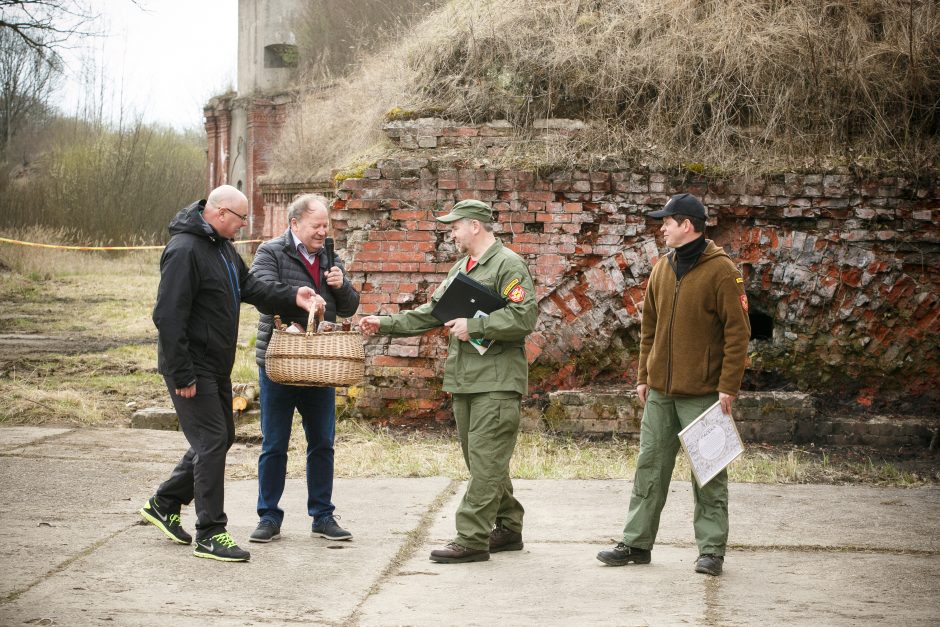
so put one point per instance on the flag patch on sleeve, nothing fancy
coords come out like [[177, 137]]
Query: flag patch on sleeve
[[744, 302], [517, 294]]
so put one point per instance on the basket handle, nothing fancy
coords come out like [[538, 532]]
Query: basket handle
[[313, 320]]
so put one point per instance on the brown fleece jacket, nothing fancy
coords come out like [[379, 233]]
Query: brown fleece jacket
[[694, 332]]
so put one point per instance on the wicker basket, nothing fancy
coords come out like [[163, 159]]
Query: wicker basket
[[315, 359]]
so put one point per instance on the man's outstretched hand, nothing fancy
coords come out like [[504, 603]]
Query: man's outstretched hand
[[308, 299]]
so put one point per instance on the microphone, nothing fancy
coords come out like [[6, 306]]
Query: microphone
[[330, 258]]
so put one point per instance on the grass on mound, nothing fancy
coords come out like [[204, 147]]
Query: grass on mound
[[743, 85]]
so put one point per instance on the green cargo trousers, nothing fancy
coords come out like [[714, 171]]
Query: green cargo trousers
[[487, 423], [663, 418]]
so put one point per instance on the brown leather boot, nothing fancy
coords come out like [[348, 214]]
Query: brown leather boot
[[454, 553], [503, 539]]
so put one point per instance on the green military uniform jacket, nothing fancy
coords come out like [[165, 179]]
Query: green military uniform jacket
[[503, 368]]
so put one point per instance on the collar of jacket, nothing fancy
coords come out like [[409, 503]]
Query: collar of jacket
[[685, 257], [190, 220], [287, 240], [712, 251], [494, 248]]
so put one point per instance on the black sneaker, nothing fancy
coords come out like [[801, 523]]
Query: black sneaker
[[221, 547], [265, 532], [621, 555], [504, 539], [166, 521], [327, 528], [709, 564]]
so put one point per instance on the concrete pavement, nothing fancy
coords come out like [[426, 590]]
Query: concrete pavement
[[73, 551]]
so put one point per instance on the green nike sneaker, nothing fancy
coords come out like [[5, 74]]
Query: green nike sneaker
[[166, 521], [221, 547]]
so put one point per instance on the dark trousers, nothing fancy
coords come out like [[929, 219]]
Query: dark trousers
[[206, 421], [317, 407]]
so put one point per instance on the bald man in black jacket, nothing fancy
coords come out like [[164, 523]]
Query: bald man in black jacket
[[203, 281]]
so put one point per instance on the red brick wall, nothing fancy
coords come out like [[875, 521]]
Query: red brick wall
[[218, 123], [265, 117], [847, 268]]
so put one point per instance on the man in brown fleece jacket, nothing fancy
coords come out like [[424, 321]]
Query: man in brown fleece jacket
[[693, 349]]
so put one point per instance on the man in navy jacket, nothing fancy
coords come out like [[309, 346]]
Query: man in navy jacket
[[202, 283], [299, 257]]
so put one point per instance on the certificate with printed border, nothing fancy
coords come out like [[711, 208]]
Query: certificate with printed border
[[712, 442]]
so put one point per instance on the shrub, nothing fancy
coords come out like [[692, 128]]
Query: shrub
[[111, 185]]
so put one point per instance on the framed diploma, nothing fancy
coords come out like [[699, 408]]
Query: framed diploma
[[712, 442]]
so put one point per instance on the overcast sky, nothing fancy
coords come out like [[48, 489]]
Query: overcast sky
[[162, 59]]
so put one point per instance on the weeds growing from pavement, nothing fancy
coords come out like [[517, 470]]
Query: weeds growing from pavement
[[363, 450]]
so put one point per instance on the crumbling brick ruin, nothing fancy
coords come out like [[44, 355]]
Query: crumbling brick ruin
[[841, 271]]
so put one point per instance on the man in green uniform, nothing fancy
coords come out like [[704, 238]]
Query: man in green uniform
[[693, 348], [487, 388]]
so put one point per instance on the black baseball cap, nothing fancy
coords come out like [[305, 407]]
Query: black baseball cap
[[681, 204]]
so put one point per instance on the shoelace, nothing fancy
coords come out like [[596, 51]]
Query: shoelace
[[224, 539], [175, 520], [328, 520]]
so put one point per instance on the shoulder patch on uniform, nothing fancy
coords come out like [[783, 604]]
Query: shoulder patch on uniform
[[739, 280], [509, 286], [517, 294]]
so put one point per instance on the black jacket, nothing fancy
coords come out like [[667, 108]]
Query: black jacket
[[202, 282], [278, 260]]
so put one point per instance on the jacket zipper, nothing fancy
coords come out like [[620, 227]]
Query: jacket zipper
[[672, 318], [233, 282]]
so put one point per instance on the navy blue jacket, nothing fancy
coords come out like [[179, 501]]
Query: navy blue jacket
[[278, 260]]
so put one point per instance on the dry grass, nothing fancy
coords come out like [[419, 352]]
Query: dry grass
[[95, 309], [737, 85], [52, 263], [363, 450]]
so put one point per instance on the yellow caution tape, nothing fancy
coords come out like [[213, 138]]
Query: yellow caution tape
[[64, 247]]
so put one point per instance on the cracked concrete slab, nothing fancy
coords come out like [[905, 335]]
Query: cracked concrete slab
[[74, 552], [14, 437], [562, 584], [138, 574], [822, 516]]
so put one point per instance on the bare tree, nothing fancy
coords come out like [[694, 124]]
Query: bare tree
[[27, 82], [45, 25]]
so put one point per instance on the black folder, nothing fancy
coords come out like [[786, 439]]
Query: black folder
[[464, 297]]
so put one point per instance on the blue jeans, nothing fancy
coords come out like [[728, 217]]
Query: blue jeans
[[317, 407]]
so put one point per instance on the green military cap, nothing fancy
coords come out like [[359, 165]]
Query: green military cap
[[472, 209]]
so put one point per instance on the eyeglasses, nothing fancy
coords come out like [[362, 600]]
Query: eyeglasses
[[243, 218]]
